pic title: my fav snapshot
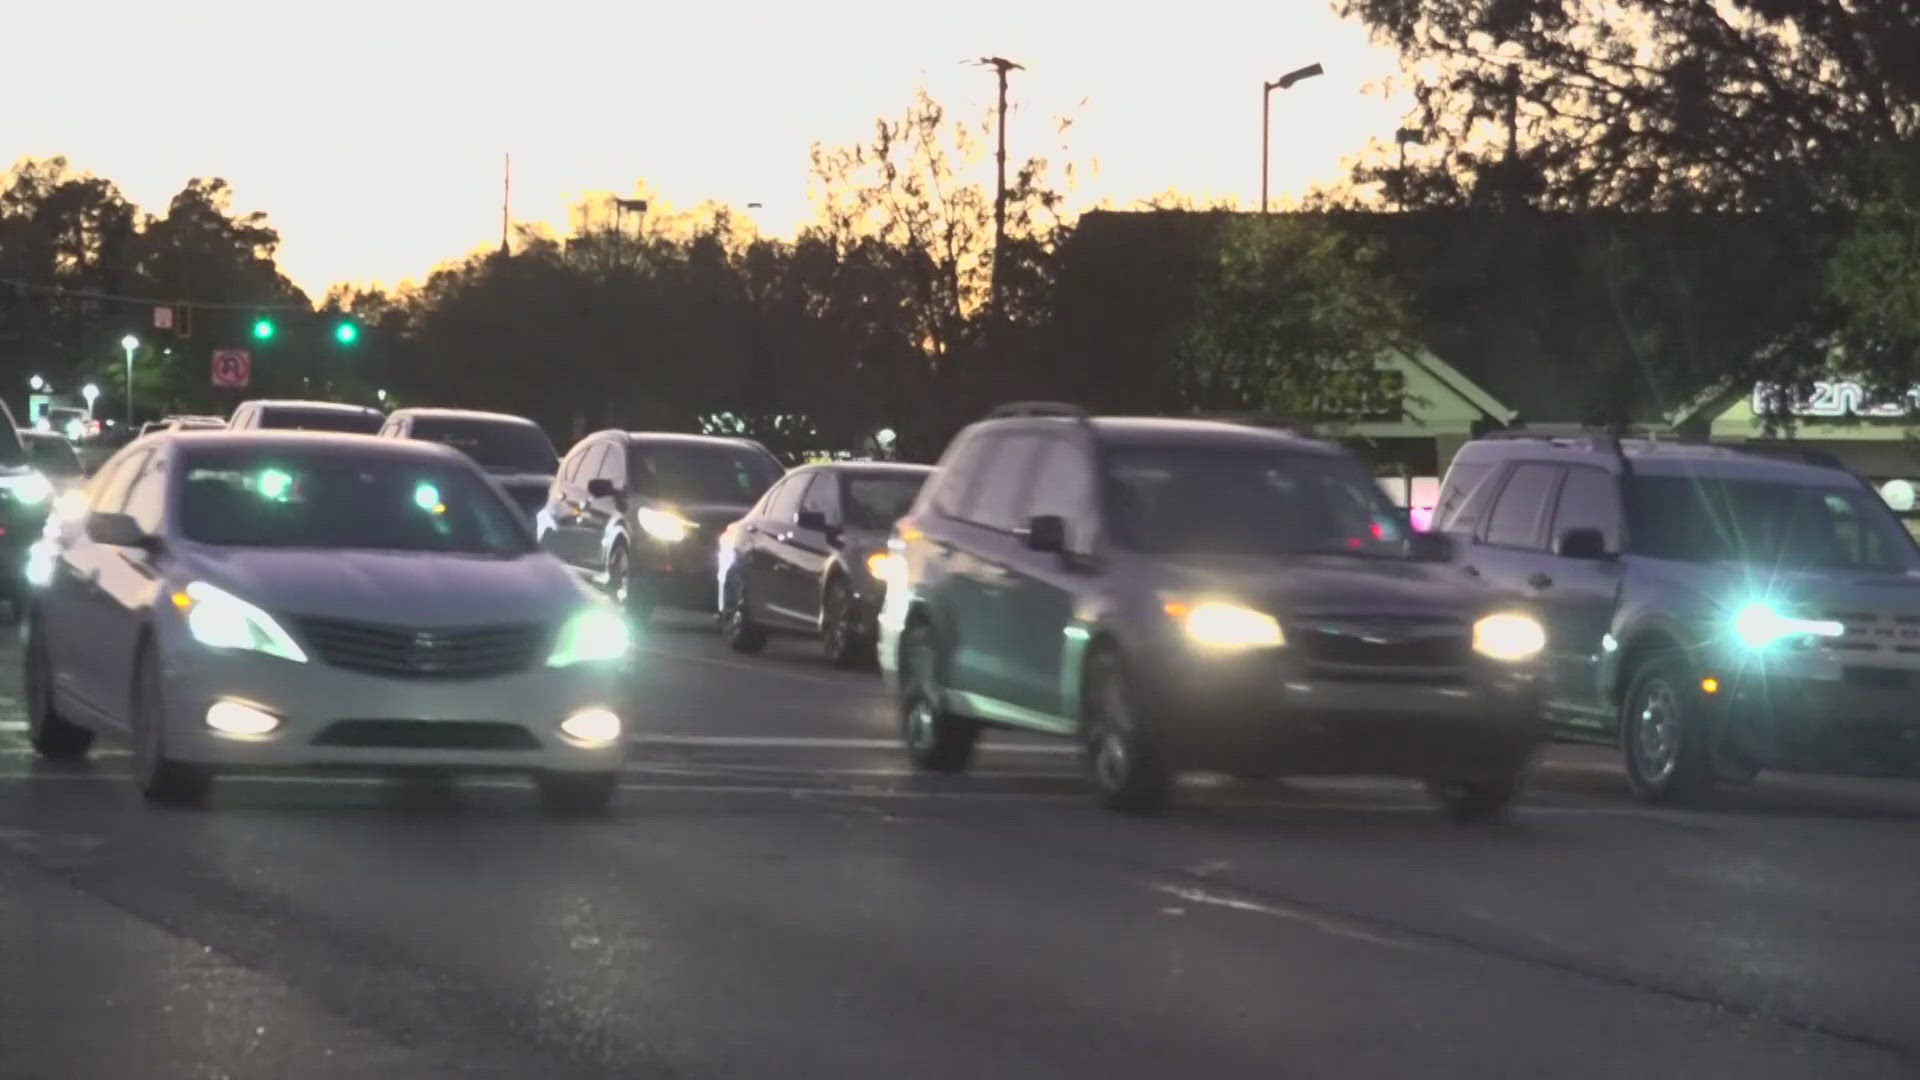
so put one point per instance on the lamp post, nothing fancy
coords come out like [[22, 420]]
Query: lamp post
[[1284, 82], [129, 343]]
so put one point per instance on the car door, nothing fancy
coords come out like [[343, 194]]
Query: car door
[[128, 581], [800, 556], [1045, 585], [1508, 550], [984, 661], [759, 543], [570, 537], [600, 513], [1578, 595], [78, 622]]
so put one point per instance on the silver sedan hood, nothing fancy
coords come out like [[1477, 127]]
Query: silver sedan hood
[[393, 587]]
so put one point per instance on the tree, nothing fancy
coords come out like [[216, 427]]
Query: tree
[[1294, 321], [1875, 275]]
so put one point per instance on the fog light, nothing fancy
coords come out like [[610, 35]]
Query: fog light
[[592, 726], [233, 718]]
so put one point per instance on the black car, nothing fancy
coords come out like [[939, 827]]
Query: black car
[[1713, 610], [812, 556], [513, 450], [1198, 595], [641, 513]]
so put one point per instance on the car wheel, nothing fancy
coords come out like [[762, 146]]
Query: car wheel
[[577, 794], [1126, 768], [839, 638], [54, 737], [1663, 733], [1469, 800], [632, 597], [936, 739], [742, 634], [162, 780]]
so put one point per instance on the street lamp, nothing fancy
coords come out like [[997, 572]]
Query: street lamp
[[91, 393], [37, 383], [1284, 82], [129, 343]]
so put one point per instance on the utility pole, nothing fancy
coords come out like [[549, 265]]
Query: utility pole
[[1284, 82], [1000, 66], [506, 197]]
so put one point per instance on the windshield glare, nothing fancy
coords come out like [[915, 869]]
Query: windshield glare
[[874, 503], [498, 445], [1247, 501], [1800, 526], [321, 420], [262, 499], [689, 473]]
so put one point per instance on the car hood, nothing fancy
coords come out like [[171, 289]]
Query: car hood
[[1335, 585], [1726, 585], [404, 588], [515, 478], [712, 518]]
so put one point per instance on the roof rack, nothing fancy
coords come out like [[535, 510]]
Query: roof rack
[[1038, 408], [1294, 424]]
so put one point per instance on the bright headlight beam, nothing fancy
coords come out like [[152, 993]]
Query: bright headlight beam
[[233, 718], [29, 487], [220, 620], [1760, 624], [666, 527], [596, 634], [1217, 625], [592, 726], [1510, 636]]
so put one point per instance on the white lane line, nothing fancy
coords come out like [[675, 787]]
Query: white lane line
[[810, 742], [13, 725], [1335, 927], [872, 686]]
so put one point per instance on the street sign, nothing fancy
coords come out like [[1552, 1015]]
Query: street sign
[[231, 367], [163, 318]]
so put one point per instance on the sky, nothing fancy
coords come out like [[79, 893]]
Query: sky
[[372, 131]]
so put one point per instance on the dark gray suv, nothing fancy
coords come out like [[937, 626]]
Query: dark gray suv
[[1712, 610], [1195, 595]]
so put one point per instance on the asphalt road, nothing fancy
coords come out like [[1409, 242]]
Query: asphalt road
[[776, 896]]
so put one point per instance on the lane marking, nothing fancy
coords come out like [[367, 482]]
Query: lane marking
[[1339, 928], [810, 742], [13, 725]]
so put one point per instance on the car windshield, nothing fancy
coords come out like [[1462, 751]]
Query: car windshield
[[1231, 500], [298, 419], [54, 456], [875, 501], [695, 473], [275, 498], [11, 452], [1799, 526], [498, 445]]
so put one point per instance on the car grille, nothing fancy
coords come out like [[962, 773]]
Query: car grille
[[427, 735], [1868, 634], [1383, 648], [464, 653]]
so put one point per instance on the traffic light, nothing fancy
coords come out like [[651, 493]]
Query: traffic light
[[345, 332], [263, 329]]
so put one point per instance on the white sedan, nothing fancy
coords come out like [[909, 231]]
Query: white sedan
[[260, 600]]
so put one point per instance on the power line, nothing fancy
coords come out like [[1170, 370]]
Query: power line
[[91, 294]]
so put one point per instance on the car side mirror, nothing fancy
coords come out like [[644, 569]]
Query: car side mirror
[[1587, 544], [1048, 532], [602, 488], [812, 521], [1431, 547], [118, 530]]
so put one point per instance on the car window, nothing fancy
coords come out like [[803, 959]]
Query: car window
[[725, 473], [507, 446], [874, 501], [1589, 499], [1063, 487], [591, 461], [823, 497], [1000, 502], [783, 502], [954, 481], [1767, 523], [570, 468], [1461, 482], [1515, 518], [112, 493], [612, 466], [147, 496], [55, 457], [294, 418]]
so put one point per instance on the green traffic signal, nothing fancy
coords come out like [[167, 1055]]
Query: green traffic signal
[[263, 329], [346, 333]]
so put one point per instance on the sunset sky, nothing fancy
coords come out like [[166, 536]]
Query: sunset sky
[[372, 130]]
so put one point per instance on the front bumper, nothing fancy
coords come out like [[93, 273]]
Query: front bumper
[[681, 575], [506, 723], [1271, 711], [1830, 718]]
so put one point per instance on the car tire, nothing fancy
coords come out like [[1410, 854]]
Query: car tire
[[1472, 800], [1124, 764], [936, 739], [1664, 734], [839, 638], [162, 780], [577, 794], [53, 736], [633, 598], [737, 627]]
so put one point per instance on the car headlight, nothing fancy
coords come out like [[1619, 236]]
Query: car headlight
[[1510, 636], [28, 487], [662, 525], [1218, 625], [598, 633], [218, 619], [1760, 624]]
